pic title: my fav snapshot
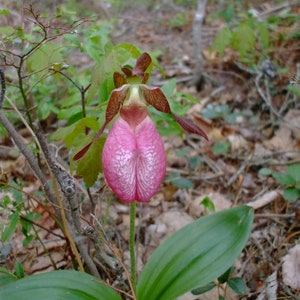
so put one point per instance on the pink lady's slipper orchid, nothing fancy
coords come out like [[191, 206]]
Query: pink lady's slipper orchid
[[133, 157]]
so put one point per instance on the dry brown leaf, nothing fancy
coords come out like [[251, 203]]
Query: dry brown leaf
[[291, 268]]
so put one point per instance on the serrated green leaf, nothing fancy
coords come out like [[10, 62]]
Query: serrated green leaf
[[45, 56], [243, 39], [222, 40], [195, 255], [264, 34], [291, 194], [67, 285], [111, 62], [237, 285], [75, 134], [90, 165], [11, 227]]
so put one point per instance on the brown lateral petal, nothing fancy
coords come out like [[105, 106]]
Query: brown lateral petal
[[155, 97], [142, 63], [189, 126], [119, 79], [80, 154], [117, 97]]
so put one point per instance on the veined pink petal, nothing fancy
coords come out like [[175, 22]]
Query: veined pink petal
[[134, 161]]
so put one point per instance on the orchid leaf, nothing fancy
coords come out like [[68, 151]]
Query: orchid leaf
[[58, 285], [195, 255]]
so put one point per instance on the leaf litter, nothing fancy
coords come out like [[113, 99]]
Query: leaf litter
[[269, 263]]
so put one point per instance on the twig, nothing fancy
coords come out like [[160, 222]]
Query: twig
[[199, 16], [264, 200]]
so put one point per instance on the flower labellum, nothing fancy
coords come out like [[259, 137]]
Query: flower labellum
[[133, 157]]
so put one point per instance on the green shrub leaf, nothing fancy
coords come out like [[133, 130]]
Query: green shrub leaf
[[291, 194], [65, 285], [237, 285], [195, 255]]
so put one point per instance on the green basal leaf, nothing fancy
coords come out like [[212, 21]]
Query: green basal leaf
[[237, 285], [6, 278], [195, 255], [291, 194], [67, 285]]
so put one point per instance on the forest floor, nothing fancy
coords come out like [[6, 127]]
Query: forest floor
[[246, 135]]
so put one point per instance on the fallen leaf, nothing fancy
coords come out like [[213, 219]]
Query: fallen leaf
[[291, 268]]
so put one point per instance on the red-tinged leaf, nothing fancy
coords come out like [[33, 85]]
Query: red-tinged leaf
[[142, 63], [155, 97], [119, 80], [189, 126]]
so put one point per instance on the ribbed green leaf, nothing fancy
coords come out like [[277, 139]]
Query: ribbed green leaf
[[195, 255], [56, 285]]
